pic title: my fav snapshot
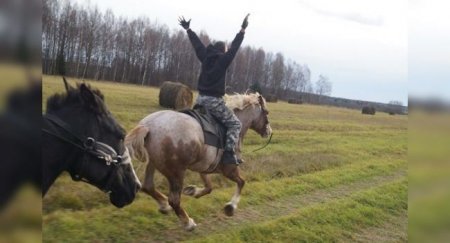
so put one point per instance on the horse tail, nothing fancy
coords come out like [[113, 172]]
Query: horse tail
[[135, 142]]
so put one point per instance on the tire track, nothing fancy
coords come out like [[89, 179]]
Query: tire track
[[272, 209], [394, 230]]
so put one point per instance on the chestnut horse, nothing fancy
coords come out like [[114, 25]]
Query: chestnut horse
[[172, 142]]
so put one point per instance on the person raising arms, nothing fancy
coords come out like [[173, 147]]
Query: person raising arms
[[215, 60]]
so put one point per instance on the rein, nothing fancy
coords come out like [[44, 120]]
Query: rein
[[270, 139]]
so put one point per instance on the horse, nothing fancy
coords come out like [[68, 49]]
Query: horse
[[82, 137], [173, 142], [20, 145]]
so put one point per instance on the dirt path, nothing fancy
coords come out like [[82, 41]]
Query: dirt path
[[394, 230], [275, 209]]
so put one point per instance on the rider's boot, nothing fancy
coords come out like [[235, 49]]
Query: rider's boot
[[229, 157]]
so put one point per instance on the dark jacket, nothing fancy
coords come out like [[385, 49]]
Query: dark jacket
[[214, 64]]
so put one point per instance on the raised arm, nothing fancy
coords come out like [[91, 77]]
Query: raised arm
[[200, 49], [235, 44]]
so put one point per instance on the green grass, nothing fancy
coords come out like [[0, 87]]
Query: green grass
[[315, 152], [336, 220], [429, 177]]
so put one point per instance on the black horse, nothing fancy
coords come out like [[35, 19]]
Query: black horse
[[20, 147], [81, 136]]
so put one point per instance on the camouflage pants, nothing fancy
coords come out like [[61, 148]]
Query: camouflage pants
[[217, 108]]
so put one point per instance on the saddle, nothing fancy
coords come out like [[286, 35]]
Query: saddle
[[214, 131]]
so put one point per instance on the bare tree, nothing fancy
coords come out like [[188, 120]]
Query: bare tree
[[395, 102], [277, 73], [323, 86], [84, 42]]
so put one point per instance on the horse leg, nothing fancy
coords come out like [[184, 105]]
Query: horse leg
[[175, 185], [198, 192], [232, 172], [149, 188]]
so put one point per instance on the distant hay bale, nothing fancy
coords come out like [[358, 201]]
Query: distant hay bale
[[295, 101], [175, 95], [368, 110], [271, 98]]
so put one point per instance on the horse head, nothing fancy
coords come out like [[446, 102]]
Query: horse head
[[252, 111], [261, 123], [93, 141]]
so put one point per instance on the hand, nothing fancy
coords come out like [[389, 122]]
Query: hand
[[245, 22], [185, 24]]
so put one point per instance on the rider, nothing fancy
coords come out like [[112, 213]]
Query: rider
[[215, 60]]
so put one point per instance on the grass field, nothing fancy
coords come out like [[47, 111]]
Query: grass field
[[330, 174]]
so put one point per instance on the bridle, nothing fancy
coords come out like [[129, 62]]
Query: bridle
[[90, 148], [266, 121]]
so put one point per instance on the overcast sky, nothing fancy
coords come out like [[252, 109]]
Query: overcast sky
[[362, 46], [429, 48]]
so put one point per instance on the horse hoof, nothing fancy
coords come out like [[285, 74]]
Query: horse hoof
[[189, 190], [165, 210], [228, 210], [190, 225]]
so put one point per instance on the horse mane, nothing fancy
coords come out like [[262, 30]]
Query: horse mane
[[72, 96], [242, 101]]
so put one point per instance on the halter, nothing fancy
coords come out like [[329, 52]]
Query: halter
[[90, 147], [265, 113]]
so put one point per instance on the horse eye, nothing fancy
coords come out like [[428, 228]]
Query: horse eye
[[120, 137], [128, 168]]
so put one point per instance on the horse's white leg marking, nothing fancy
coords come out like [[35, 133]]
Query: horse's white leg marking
[[198, 190], [191, 190], [235, 199], [233, 175], [164, 206], [190, 225]]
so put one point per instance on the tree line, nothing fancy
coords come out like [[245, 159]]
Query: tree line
[[83, 42]]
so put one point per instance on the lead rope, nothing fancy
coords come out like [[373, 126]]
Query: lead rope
[[270, 139]]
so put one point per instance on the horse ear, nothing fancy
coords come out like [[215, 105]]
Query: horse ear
[[262, 103], [260, 98], [67, 85], [88, 97]]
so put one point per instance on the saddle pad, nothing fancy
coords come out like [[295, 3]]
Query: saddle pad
[[214, 131]]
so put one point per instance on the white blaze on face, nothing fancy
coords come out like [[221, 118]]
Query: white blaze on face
[[269, 130], [127, 157]]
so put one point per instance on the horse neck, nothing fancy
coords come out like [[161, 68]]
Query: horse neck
[[58, 156], [246, 118]]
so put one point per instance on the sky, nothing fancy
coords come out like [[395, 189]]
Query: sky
[[429, 49], [360, 45]]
